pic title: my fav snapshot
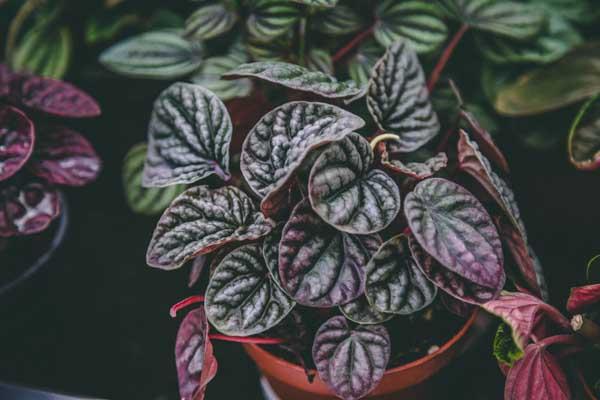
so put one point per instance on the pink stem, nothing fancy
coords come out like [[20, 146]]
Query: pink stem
[[352, 44], [445, 57], [184, 303], [249, 339]]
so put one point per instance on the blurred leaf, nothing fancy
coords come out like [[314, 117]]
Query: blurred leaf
[[269, 19], [104, 28], [210, 21], [362, 62], [318, 3], [584, 137], [320, 60], [273, 50], [44, 51], [339, 20], [165, 19], [577, 11]]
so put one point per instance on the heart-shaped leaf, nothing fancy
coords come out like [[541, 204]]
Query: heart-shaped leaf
[[485, 141], [189, 137], [347, 193], [64, 157], [160, 54], [27, 209], [242, 299], [395, 284], [318, 3], [584, 137], [209, 76], [506, 350], [269, 19], [202, 220], [351, 361], [209, 21], [149, 201], [583, 297], [361, 63], [506, 18], [415, 170], [320, 266], [362, 312], [17, 136], [296, 77], [44, 50], [418, 22], [398, 99], [336, 21], [453, 227], [196, 363]]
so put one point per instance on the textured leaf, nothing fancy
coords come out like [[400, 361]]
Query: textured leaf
[[506, 350], [584, 137], [44, 51], [269, 19], [347, 193], [242, 298], [506, 18], [149, 201], [202, 220], [361, 312], [158, 55], [196, 363], [484, 139], [415, 170], [64, 157], [351, 361], [361, 63], [27, 209], [209, 21], [395, 284], [189, 137], [318, 3], [296, 77], [419, 23], [583, 297], [17, 136], [270, 251], [209, 76], [318, 265], [398, 99], [339, 20], [453, 226]]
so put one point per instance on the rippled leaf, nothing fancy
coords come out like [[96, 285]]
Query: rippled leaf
[[361, 312], [582, 298], [17, 135], [202, 220], [269, 19], [27, 209], [420, 23], [318, 3], [241, 298], [189, 136], [506, 350], [351, 361], [161, 54], [210, 21], [209, 76], [584, 137], [347, 193], [398, 98], [362, 61], [44, 51], [339, 20], [415, 170]]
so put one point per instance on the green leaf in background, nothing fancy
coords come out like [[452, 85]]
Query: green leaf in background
[[165, 19], [363, 61], [505, 349], [271, 18], [210, 21], [339, 20], [106, 27], [584, 138], [320, 60], [578, 11], [573, 78], [157, 55], [507, 18], [318, 3], [148, 201], [361, 312], [45, 51], [273, 50], [420, 23]]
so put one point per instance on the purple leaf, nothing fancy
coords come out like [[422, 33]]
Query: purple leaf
[[582, 297], [485, 141], [416, 170], [27, 209], [351, 361], [17, 137], [196, 363], [64, 157], [196, 269]]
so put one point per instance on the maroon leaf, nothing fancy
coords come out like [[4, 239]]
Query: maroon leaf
[[196, 363], [64, 157], [582, 297], [5, 77], [416, 170], [196, 269], [27, 209], [16, 141], [485, 141]]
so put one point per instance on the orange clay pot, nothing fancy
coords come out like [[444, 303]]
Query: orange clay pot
[[400, 383]]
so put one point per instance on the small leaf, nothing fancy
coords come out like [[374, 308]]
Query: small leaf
[[337, 21], [415, 170], [157, 55], [419, 23], [351, 361], [361, 312], [210, 21], [583, 298], [196, 269], [485, 141], [584, 137], [296, 77], [398, 98], [44, 51], [188, 138], [209, 76], [506, 350], [318, 3], [17, 135], [361, 63], [347, 193], [202, 220], [319, 60], [241, 298], [270, 251], [269, 19], [148, 201]]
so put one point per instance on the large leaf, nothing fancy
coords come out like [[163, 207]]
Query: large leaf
[[398, 98], [362, 312], [269, 19], [453, 226], [188, 138], [339, 20], [583, 298], [209, 21], [202, 220], [209, 76], [242, 299], [44, 51], [320, 266], [318, 3], [418, 22], [347, 193], [17, 135], [506, 18], [351, 361], [395, 284], [415, 170], [149, 201], [296, 77], [584, 137], [158, 55], [64, 157], [194, 358]]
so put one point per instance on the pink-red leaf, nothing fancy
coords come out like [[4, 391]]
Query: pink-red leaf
[[16, 140], [485, 141], [582, 297]]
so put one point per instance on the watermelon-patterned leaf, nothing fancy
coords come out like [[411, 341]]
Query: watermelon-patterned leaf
[[319, 60], [17, 136], [209, 76], [44, 51], [351, 361], [201, 220], [189, 136], [337, 21], [398, 99], [210, 21], [415, 170], [361, 63], [584, 137], [269, 19], [362, 312], [242, 299]]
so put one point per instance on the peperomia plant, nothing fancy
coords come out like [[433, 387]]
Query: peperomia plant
[[328, 211]]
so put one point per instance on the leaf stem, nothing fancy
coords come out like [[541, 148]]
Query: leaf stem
[[445, 57], [247, 339], [586, 328], [341, 53], [380, 138], [15, 26], [184, 303]]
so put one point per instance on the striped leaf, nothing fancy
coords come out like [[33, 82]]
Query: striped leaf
[[319, 60], [337, 21], [156, 55], [44, 51], [269, 19], [273, 50], [210, 21], [362, 62], [209, 76], [584, 137], [318, 3], [361, 312]]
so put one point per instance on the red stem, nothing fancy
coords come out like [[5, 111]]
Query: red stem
[[352, 44], [184, 303], [445, 57], [249, 339]]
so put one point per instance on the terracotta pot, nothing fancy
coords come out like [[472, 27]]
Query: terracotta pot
[[404, 382]]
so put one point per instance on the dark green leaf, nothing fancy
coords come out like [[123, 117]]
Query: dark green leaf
[[210, 21], [106, 27], [44, 51], [584, 138], [271, 18]]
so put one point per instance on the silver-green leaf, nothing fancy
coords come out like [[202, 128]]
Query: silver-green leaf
[[210, 21]]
